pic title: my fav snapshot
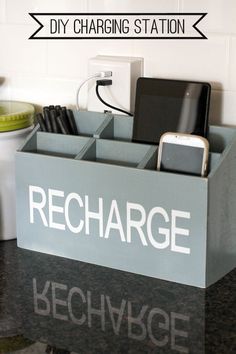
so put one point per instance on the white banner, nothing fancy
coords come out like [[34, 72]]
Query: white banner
[[118, 26]]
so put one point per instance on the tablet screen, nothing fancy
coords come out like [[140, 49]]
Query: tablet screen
[[169, 106]]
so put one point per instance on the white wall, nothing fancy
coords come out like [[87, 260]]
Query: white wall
[[48, 72]]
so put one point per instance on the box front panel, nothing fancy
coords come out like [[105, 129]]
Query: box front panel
[[139, 221], [221, 242]]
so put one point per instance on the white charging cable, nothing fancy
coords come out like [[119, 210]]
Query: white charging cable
[[100, 74]]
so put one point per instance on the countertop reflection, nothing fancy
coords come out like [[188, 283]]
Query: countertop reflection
[[55, 305]]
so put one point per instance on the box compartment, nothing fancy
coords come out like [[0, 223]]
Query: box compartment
[[119, 153], [67, 146], [117, 127], [88, 123]]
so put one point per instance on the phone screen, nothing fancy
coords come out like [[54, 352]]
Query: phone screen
[[182, 159]]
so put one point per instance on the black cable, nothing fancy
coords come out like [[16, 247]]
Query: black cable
[[108, 83]]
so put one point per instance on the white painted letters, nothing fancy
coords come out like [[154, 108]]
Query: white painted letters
[[136, 224], [133, 224], [178, 231], [55, 209], [162, 231], [114, 225], [37, 205], [74, 229], [93, 215]]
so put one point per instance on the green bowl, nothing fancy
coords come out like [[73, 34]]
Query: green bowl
[[15, 115]]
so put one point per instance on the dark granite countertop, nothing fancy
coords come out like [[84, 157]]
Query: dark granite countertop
[[54, 305]]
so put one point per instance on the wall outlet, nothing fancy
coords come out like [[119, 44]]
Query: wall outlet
[[121, 94]]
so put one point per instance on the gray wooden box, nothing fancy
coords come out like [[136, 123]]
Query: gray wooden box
[[98, 198]]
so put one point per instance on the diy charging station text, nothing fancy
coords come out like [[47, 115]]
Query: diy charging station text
[[117, 26]]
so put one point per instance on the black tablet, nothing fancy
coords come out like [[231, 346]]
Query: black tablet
[[170, 106]]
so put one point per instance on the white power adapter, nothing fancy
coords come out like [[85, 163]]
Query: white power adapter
[[121, 94]]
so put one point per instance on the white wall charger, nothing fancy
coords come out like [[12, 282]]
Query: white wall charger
[[125, 72]]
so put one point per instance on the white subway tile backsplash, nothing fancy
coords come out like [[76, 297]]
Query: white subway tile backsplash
[[71, 58], [229, 108], [221, 14], [4, 88], [2, 10], [223, 108], [18, 11], [45, 72], [45, 91], [205, 60], [232, 64], [133, 6], [18, 54]]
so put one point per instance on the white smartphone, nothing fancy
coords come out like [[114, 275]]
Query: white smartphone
[[183, 153]]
